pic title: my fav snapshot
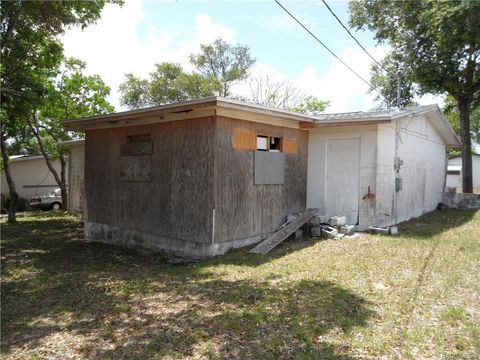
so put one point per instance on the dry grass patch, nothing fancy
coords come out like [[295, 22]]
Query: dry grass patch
[[413, 296]]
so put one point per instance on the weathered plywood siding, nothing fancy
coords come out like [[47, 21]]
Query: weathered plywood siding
[[76, 166], [175, 200], [243, 209]]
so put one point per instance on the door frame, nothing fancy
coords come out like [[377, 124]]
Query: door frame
[[326, 171]]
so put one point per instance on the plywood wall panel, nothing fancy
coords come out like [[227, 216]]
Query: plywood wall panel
[[178, 200], [244, 209]]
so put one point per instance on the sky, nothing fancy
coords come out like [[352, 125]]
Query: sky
[[141, 33]]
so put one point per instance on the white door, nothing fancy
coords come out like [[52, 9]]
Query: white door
[[343, 178]]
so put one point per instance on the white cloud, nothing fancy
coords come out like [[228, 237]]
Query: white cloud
[[113, 47], [344, 90]]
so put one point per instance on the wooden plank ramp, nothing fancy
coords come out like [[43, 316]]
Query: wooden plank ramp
[[283, 232]]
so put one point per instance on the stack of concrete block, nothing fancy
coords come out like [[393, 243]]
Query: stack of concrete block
[[315, 225], [328, 228]]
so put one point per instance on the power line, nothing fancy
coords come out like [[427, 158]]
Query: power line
[[354, 38], [330, 51]]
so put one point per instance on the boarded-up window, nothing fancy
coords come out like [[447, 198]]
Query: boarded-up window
[[136, 158], [269, 168]]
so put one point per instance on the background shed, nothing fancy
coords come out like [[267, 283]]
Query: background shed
[[454, 177], [31, 176]]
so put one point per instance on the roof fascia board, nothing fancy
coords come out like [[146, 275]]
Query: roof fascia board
[[26, 158], [263, 110], [153, 112], [268, 119], [147, 120], [348, 122]]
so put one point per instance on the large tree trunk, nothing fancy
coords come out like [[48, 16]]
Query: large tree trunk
[[464, 109], [63, 178], [12, 205], [60, 180]]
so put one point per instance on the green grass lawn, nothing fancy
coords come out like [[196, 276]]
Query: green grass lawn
[[413, 296]]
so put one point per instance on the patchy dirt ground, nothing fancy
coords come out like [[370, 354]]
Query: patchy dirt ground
[[413, 296]]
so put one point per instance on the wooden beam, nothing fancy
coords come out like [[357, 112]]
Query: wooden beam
[[306, 125]]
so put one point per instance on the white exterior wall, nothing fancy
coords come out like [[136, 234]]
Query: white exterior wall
[[456, 180], [385, 179], [317, 162], [31, 176], [423, 172]]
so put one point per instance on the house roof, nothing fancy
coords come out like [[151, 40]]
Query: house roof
[[432, 112], [258, 113], [15, 158]]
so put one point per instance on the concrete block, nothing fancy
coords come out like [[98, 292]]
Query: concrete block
[[329, 232], [315, 221], [315, 231], [337, 220], [339, 236], [394, 230], [298, 234], [347, 229], [379, 230], [323, 219]]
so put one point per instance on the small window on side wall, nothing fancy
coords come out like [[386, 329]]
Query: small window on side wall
[[268, 143]]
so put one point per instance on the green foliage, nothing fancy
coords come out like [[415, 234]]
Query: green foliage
[[228, 64], [311, 106], [31, 53], [169, 83], [453, 115], [437, 44], [387, 82], [438, 41], [71, 94]]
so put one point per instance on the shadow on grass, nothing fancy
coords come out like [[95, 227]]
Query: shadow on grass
[[435, 223], [127, 305]]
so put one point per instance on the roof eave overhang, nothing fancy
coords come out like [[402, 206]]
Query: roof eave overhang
[[189, 110]]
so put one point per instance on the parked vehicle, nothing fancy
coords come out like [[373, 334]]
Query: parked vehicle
[[51, 201]]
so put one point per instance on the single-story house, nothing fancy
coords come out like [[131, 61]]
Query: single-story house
[[454, 172], [31, 175], [201, 177]]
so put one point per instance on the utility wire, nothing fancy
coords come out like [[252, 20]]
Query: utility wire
[[354, 38], [330, 51]]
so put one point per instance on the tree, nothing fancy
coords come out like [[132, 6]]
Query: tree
[[228, 64], [30, 52], [265, 90], [438, 41], [450, 110], [387, 77], [310, 105], [71, 94], [167, 84]]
